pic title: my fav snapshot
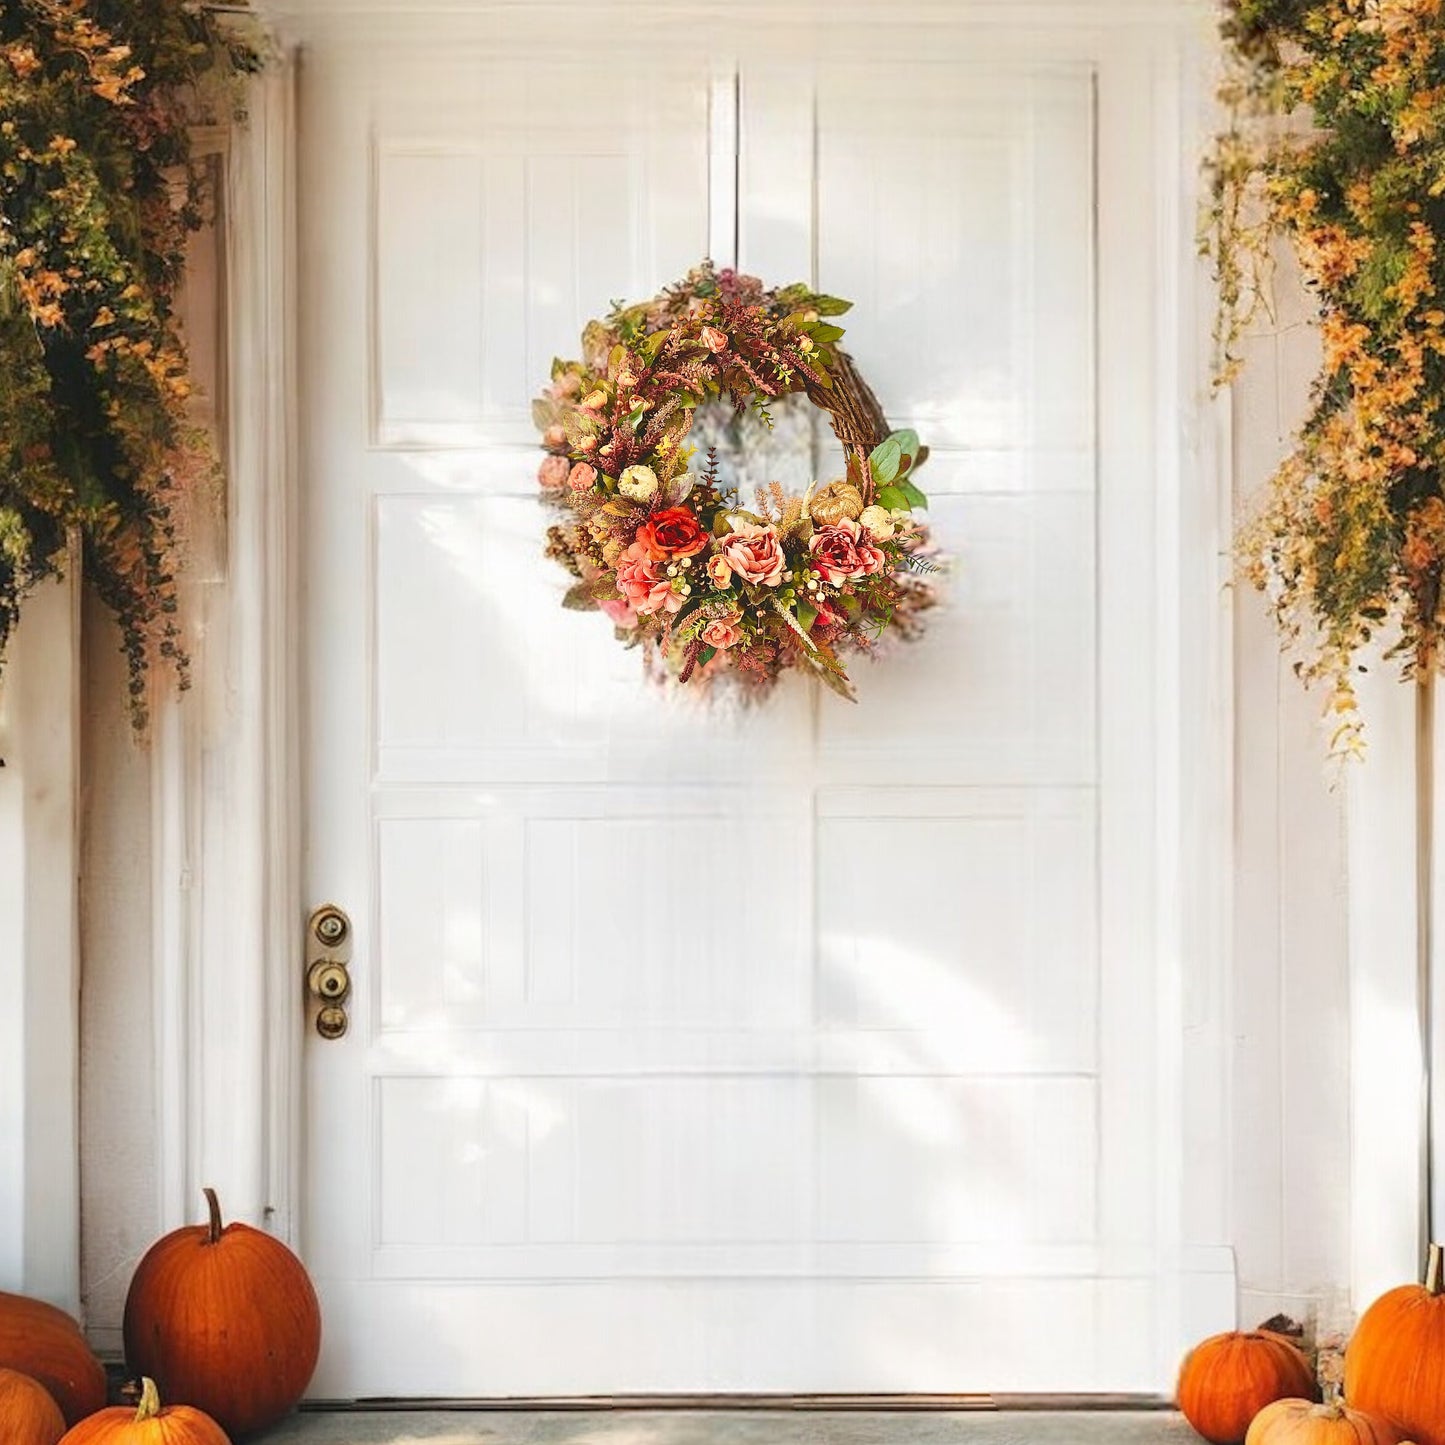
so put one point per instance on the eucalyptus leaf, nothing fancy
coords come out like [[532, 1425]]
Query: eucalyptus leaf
[[884, 460], [916, 499], [908, 444]]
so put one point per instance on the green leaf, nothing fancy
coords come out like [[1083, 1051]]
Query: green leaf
[[705, 655], [824, 333], [908, 444], [807, 615], [830, 305], [916, 499], [894, 498], [884, 460]]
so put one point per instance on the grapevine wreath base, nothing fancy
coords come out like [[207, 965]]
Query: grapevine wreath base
[[659, 542]]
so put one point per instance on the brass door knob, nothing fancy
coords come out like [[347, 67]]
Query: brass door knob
[[328, 980]]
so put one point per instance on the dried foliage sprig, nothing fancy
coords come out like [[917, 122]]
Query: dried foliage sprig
[[1337, 146], [98, 192]]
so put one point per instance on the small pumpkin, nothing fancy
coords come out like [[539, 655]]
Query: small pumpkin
[[1302, 1422], [28, 1413], [1395, 1364], [45, 1343], [225, 1319], [147, 1424], [1226, 1381]]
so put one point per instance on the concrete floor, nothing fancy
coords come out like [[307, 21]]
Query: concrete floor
[[730, 1427]]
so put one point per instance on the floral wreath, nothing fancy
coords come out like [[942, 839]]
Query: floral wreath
[[706, 587]]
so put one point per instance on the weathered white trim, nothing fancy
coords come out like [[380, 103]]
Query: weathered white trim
[[1435, 1001], [40, 950], [224, 801], [1386, 1065]]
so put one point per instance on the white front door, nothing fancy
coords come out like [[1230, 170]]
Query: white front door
[[808, 1049]]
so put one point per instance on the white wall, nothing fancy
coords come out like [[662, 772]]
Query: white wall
[[39, 953], [1290, 1079]]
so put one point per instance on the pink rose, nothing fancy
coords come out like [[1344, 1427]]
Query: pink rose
[[644, 584], [722, 633], [754, 553], [871, 559], [841, 553], [553, 472], [622, 613], [714, 340], [581, 477]]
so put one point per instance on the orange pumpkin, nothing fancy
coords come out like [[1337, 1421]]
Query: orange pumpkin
[[148, 1424], [1395, 1365], [1225, 1382], [1301, 1422], [28, 1414], [226, 1320], [45, 1343]]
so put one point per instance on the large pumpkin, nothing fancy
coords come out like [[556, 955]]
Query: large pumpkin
[[28, 1414], [149, 1424], [226, 1320], [1225, 1382], [1302, 1422], [1395, 1365], [45, 1343]]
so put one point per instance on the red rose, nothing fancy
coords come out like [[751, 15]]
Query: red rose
[[675, 532]]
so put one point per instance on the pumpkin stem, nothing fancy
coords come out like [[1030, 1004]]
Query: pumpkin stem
[[1435, 1271], [214, 1205], [150, 1400]]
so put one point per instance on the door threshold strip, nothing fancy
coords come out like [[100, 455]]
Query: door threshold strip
[[839, 1403]]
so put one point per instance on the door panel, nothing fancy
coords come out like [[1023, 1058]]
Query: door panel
[[708, 1049]]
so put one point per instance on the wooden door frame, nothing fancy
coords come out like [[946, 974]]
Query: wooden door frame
[[225, 812], [227, 963]]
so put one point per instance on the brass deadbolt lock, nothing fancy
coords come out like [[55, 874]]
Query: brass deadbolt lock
[[328, 975], [331, 926], [331, 1022], [328, 980]]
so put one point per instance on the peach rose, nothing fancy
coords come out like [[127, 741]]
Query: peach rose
[[754, 553], [714, 340], [722, 633], [719, 571], [582, 477], [553, 472], [644, 584]]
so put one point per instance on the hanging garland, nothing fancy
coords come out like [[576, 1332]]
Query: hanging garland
[[1338, 146], [657, 540], [97, 197]]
